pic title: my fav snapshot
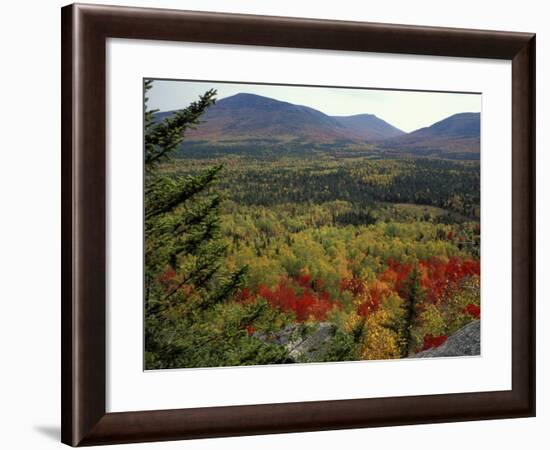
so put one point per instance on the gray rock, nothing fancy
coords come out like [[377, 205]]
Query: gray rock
[[304, 344], [465, 342]]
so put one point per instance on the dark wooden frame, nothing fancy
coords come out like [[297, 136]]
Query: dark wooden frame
[[85, 29]]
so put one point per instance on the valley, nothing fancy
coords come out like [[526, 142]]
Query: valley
[[346, 223]]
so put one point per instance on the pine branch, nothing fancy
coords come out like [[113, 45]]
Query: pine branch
[[227, 289], [188, 188], [162, 138]]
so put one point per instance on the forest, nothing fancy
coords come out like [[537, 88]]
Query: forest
[[294, 257]]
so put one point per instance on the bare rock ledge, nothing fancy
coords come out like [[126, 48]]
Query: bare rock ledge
[[465, 342]]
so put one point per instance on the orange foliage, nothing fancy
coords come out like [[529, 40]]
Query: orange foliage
[[439, 278], [397, 275], [305, 296], [375, 293]]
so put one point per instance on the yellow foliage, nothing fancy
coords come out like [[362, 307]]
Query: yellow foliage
[[380, 342]]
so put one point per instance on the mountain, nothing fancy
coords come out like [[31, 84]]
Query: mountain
[[252, 123], [250, 117], [456, 136], [458, 125], [369, 127]]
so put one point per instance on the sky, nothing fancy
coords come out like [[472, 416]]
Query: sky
[[406, 110]]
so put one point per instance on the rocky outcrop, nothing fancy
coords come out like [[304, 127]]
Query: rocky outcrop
[[465, 342], [304, 344], [310, 343]]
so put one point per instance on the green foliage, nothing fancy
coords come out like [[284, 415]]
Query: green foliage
[[342, 347], [186, 284], [235, 241], [451, 185], [215, 337], [163, 138], [447, 320], [413, 294]]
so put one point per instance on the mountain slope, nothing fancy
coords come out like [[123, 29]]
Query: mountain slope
[[456, 136], [369, 127], [460, 125], [248, 116], [249, 122], [253, 117]]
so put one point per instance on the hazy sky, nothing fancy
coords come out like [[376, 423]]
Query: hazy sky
[[407, 110]]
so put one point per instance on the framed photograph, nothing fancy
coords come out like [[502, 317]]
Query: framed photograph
[[277, 225]]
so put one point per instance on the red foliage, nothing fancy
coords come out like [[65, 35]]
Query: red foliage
[[250, 329], [397, 275], [354, 285], [375, 294], [473, 310], [318, 285], [309, 303], [301, 295], [168, 279], [244, 296], [366, 308], [307, 298], [437, 277], [431, 341], [440, 278], [304, 280], [167, 276]]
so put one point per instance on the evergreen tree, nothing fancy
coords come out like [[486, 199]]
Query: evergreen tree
[[414, 293], [185, 281]]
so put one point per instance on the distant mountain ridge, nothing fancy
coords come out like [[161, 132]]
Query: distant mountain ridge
[[458, 125], [369, 127], [458, 135], [249, 118]]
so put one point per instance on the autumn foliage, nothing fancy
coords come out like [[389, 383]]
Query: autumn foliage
[[439, 279], [249, 246], [472, 310], [431, 341], [374, 293], [300, 295]]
